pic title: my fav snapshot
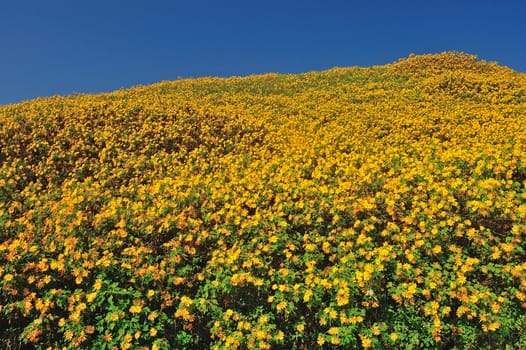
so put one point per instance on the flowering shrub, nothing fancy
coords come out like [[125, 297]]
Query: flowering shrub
[[380, 207]]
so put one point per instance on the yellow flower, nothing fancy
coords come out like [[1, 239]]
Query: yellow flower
[[228, 314], [333, 330], [280, 336], [98, 284], [281, 305], [186, 301], [493, 326], [446, 310], [307, 295], [91, 296], [75, 316], [300, 327], [27, 306], [355, 319], [332, 314], [183, 313], [263, 319], [342, 297], [335, 340], [309, 247], [321, 340], [81, 307], [260, 334], [135, 309], [366, 342]]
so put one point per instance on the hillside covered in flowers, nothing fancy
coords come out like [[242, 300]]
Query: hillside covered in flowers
[[380, 207]]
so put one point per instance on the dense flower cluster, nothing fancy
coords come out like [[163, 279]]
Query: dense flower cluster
[[380, 207]]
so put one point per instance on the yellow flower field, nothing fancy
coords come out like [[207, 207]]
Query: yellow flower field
[[380, 207]]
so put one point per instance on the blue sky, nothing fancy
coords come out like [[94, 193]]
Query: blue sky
[[64, 47]]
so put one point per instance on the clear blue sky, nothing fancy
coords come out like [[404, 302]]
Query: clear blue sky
[[62, 47]]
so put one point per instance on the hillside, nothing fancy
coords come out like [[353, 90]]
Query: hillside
[[380, 207]]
